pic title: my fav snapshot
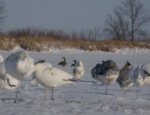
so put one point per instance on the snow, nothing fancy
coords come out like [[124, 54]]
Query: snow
[[82, 99]]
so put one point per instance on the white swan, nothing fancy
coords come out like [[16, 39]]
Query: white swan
[[51, 77], [107, 72], [19, 65], [136, 75], [78, 70], [123, 79], [7, 81]]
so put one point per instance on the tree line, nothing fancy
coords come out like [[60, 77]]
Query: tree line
[[125, 24]]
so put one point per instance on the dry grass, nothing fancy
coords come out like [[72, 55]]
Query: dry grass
[[46, 43]]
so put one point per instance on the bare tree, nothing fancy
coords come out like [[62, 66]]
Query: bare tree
[[2, 10], [116, 26], [137, 15], [129, 17]]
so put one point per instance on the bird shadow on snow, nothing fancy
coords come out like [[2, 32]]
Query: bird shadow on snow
[[7, 100], [89, 92], [90, 82]]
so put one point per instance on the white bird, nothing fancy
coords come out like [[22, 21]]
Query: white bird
[[136, 76], [51, 77], [107, 72], [146, 73], [78, 70], [7, 81], [123, 78], [19, 65], [34, 82]]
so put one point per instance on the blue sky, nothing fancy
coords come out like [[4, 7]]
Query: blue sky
[[67, 15]]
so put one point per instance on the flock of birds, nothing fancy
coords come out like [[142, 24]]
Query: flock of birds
[[20, 65]]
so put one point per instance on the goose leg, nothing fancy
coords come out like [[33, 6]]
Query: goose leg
[[16, 94], [52, 94], [126, 92], [106, 90], [2, 97], [137, 92], [96, 85], [44, 91]]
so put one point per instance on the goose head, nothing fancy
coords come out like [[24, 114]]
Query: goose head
[[74, 63], [128, 64]]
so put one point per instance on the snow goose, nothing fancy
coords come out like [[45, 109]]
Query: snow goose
[[78, 70], [123, 78], [7, 81], [51, 77], [136, 76], [63, 63], [107, 72]]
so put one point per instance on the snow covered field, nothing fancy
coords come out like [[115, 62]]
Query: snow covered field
[[82, 99]]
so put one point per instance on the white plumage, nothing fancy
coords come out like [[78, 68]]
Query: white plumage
[[6, 80], [136, 75], [34, 82], [19, 65], [16, 67], [4, 77], [51, 77], [146, 73], [78, 71]]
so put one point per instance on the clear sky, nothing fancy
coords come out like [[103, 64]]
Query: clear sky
[[59, 14]]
